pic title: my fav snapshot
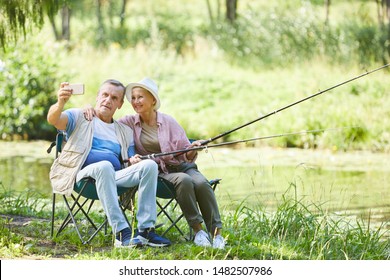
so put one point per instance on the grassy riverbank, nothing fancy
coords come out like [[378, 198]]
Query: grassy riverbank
[[211, 86], [292, 232]]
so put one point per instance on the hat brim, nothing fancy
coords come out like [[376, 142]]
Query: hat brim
[[130, 87]]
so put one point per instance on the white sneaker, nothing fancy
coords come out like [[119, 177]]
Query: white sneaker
[[202, 239], [219, 242]]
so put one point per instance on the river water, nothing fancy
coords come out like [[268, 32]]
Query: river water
[[356, 183]]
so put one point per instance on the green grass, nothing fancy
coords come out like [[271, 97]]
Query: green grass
[[26, 203], [293, 232]]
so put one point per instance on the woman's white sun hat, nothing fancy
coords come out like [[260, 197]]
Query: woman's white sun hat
[[147, 84]]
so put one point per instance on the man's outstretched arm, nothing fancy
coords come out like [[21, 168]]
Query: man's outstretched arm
[[55, 116]]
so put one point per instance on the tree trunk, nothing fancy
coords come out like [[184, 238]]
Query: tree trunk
[[54, 28], [388, 23], [327, 3], [210, 12], [65, 15], [231, 10], [385, 14], [379, 12], [388, 9], [99, 16], [123, 13], [218, 9]]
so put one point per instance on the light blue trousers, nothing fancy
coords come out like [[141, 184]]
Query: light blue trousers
[[143, 174]]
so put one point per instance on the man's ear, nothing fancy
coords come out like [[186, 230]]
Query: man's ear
[[120, 106]]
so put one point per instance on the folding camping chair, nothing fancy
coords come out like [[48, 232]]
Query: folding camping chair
[[166, 191], [80, 202]]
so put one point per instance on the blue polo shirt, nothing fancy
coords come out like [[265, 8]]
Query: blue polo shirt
[[105, 145]]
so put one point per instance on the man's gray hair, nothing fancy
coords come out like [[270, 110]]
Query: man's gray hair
[[114, 83]]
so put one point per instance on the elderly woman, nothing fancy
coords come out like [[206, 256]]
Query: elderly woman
[[156, 132]]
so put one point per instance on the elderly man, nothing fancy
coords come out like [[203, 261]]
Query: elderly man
[[104, 150]]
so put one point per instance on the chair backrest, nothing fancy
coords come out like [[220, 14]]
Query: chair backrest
[[87, 188], [60, 138]]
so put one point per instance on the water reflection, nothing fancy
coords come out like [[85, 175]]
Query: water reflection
[[353, 193], [21, 173], [337, 189]]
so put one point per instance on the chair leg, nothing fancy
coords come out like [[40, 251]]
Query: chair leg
[[73, 220], [80, 208], [173, 222], [71, 217], [104, 224], [53, 207], [75, 205], [128, 204], [191, 235], [70, 210]]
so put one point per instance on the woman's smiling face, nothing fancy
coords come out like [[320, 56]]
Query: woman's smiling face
[[142, 100]]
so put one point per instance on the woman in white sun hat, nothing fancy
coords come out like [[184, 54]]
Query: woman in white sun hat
[[156, 132]]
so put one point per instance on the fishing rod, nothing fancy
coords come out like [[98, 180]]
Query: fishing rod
[[202, 147], [205, 142]]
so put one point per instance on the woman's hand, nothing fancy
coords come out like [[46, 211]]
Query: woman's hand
[[134, 159], [192, 154], [196, 143], [89, 112]]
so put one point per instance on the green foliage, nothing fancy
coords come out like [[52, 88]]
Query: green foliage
[[18, 15], [228, 74], [29, 77], [177, 33], [291, 32], [159, 32], [279, 38]]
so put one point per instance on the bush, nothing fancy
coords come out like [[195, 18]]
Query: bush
[[29, 76], [280, 38]]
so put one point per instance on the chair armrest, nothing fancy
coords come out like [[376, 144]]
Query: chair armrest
[[214, 183]]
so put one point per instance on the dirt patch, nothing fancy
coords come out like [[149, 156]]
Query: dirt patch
[[33, 234], [15, 220], [40, 240]]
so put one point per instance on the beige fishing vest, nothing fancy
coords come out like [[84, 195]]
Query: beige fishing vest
[[64, 170]]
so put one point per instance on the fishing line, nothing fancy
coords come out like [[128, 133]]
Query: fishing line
[[205, 142], [156, 155]]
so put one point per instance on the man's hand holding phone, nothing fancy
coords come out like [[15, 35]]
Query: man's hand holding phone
[[77, 89], [67, 90]]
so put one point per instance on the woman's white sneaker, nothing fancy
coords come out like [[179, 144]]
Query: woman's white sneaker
[[219, 242], [202, 239]]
